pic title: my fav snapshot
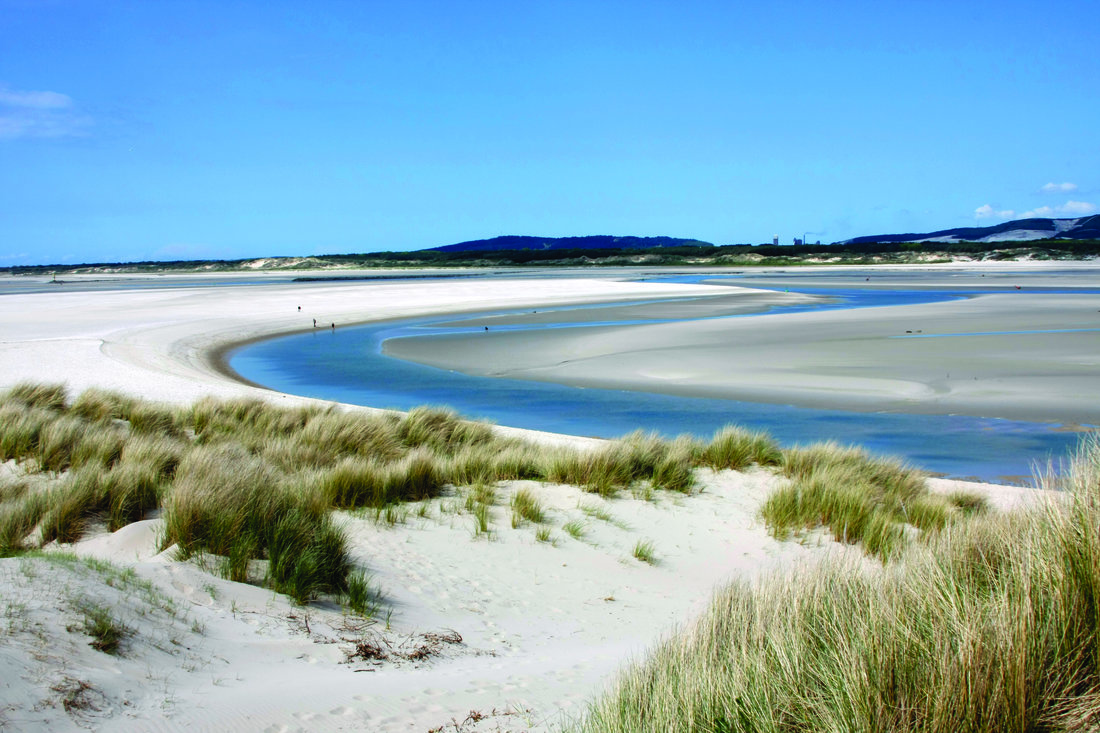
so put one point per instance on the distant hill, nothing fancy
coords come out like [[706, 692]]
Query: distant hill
[[514, 243], [1020, 230]]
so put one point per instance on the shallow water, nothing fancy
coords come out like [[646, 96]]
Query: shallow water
[[347, 366]]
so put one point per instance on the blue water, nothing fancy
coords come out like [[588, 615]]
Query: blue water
[[347, 365]]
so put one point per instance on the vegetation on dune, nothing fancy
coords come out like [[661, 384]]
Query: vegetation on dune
[[862, 500], [972, 621], [988, 625], [223, 468], [255, 485], [685, 252]]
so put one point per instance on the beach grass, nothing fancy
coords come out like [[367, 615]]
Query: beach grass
[[575, 529], [645, 551], [45, 396], [227, 502], [106, 631], [987, 625], [736, 448], [526, 507], [269, 477], [874, 502]]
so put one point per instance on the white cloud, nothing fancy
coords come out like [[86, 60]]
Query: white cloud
[[1068, 209], [39, 114], [988, 212], [1059, 187], [34, 100], [1077, 208]]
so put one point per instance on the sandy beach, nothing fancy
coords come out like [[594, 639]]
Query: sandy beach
[[543, 625]]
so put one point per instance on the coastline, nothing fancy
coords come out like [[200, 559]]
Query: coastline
[[545, 625], [1017, 356]]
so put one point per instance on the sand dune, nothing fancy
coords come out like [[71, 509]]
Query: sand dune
[[543, 625]]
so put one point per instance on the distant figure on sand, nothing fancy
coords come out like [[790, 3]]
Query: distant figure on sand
[[315, 323], [334, 327]]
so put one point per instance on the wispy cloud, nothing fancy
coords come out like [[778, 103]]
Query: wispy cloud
[[1068, 209], [986, 211], [1059, 187], [39, 114]]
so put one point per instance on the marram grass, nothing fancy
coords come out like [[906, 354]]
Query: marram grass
[[254, 484], [222, 471], [987, 625], [862, 500]]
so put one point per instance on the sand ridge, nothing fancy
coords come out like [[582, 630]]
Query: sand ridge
[[543, 625]]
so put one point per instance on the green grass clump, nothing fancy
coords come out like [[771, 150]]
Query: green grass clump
[[20, 428], [479, 502], [100, 405], [644, 551], [71, 504], [638, 457], [526, 507], [863, 500], [736, 448], [19, 516], [107, 632], [483, 519], [441, 430], [990, 625], [228, 502], [362, 597], [53, 397], [340, 434], [367, 482], [574, 529]]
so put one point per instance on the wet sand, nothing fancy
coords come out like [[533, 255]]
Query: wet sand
[[1014, 353], [544, 625]]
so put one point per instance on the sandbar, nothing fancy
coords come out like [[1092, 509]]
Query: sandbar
[[544, 625], [1028, 350]]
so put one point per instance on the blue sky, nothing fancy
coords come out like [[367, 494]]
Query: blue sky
[[179, 130]]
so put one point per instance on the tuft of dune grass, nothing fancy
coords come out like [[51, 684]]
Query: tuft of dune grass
[[735, 448], [227, 502], [989, 625], [526, 507], [637, 457], [862, 500], [43, 396], [442, 430]]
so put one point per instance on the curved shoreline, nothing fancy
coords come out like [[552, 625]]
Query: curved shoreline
[[1012, 356], [170, 343], [543, 627], [173, 344]]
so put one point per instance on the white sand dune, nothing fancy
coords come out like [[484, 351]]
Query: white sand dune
[[543, 626]]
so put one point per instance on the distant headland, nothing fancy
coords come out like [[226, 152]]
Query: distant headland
[[1023, 239]]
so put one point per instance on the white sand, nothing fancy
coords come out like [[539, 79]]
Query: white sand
[[543, 626]]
